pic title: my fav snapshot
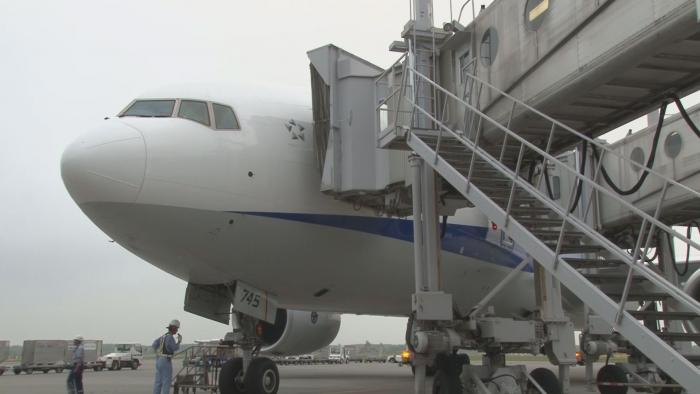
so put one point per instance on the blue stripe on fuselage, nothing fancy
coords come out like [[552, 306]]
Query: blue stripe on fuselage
[[460, 239]]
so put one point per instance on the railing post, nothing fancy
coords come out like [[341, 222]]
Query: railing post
[[628, 281], [512, 187], [599, 165], [544, 159], [471, 161], [565, 221]]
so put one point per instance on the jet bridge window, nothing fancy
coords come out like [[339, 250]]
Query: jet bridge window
[[150, 108], [224, 117], [197, 111]]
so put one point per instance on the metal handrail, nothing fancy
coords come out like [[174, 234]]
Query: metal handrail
[[580, 135], [576, 174], [645, 271]]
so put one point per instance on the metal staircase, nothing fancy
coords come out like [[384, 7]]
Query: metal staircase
[[492, 174]]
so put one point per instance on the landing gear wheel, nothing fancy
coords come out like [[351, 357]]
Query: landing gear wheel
[[612, 374], [17, 371], [114, 366], [135, 364], [546, 379], [262, 377], [119, 366], [228, 377]]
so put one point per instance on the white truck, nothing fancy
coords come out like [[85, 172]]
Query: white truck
[[337, 354], [125, 355]]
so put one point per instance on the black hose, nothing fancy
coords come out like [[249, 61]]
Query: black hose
[[688, 233], [650, 161], [684, 114], [582, 171], [546, 181]]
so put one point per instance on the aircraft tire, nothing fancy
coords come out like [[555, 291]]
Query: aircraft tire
[[227, 377], [134, 364], [262, 377], [546, 379], [614, 374]]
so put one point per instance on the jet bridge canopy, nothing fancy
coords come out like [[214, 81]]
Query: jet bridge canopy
[[342, 87]]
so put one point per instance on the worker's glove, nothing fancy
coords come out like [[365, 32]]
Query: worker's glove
[[179, 338]]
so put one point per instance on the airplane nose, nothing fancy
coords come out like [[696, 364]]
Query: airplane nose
[[105, 165]]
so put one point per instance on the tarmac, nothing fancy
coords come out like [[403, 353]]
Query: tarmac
[[308, 379]]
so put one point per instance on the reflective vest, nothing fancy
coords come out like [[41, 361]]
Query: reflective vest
[[162, 351]]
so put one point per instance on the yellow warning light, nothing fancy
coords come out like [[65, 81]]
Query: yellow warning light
[[405, 356]]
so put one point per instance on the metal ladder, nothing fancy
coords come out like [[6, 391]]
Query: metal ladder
[[489, 173]]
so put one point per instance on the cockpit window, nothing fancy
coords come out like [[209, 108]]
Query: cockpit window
[[224, 117], [194, 110], [151, 108]]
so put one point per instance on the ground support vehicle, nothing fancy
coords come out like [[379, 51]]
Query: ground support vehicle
[[42, 355], [125, 355]]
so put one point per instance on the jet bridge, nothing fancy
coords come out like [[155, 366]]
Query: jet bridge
[[592, 65], [352, 166]]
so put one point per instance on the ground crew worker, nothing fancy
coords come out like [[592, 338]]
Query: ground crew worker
[[165, 347], [75, 377]]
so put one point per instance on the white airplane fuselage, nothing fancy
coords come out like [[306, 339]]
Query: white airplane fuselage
[[214, 206]]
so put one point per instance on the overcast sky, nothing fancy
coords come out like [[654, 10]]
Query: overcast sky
[[64, 65]]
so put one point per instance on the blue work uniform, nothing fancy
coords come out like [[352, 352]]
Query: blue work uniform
[[75, 377], [165, 346]]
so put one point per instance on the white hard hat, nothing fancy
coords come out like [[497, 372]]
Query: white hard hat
[[78, 338], [174, 323]]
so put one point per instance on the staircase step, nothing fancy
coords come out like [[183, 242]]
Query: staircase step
[[646, 296], [555, 233], [693, 358], [566, 249], [679, 336], [663, 315], [540, 222], [580, 263], [621, 277]]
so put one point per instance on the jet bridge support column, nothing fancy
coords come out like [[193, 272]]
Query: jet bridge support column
[[429, 303]]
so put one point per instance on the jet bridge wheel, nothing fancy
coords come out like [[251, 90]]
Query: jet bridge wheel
[[447, 377], [546, 379], [612, 374]]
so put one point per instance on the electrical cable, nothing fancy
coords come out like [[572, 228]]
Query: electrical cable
[[688, 234], [443, 227], [655, 143], [650, 161], [546, 182], [684, 114], [582, 170]]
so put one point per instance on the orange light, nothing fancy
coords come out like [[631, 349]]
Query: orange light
[[406, 356], [259, 330]]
